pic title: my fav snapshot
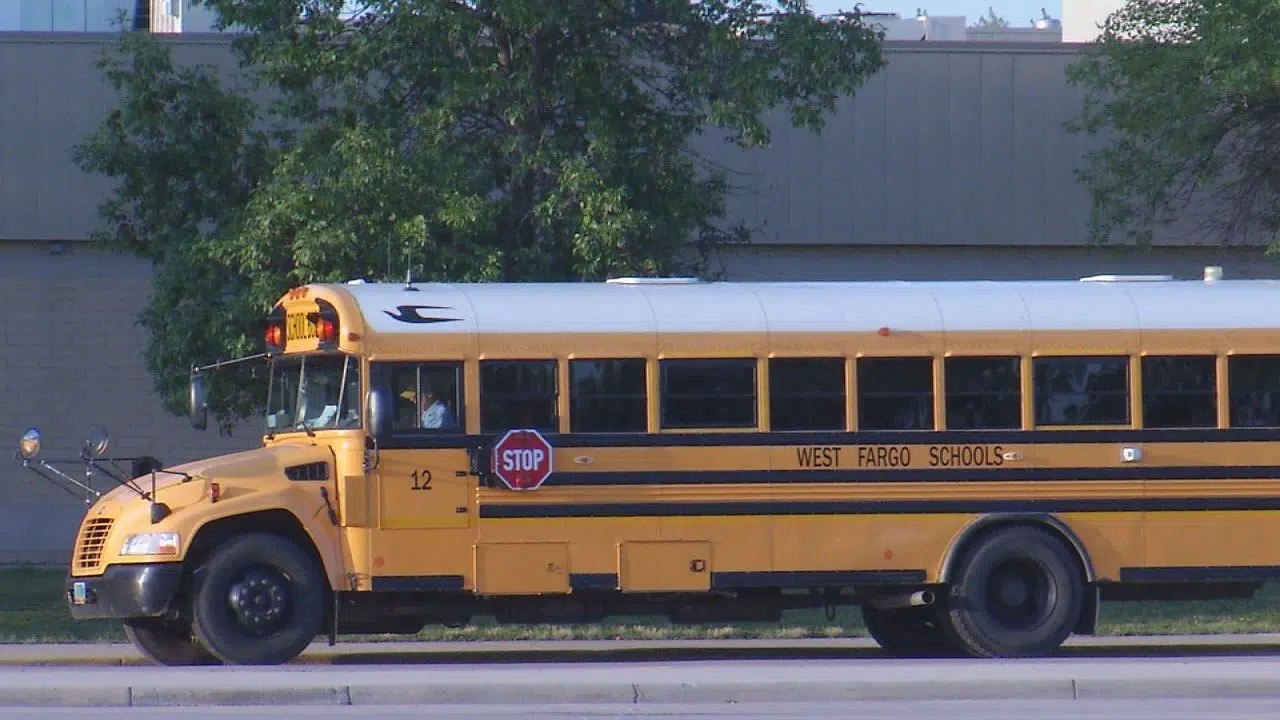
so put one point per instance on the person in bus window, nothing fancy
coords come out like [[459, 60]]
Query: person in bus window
[[435, 414]]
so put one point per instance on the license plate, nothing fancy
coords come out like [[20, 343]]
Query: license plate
[[79, 593]]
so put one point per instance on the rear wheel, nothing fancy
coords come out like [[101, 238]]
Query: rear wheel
[[259, 600], [912, 632], [1018, 593], [167, 642]]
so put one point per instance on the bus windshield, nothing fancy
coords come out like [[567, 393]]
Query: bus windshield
[[313, 393]]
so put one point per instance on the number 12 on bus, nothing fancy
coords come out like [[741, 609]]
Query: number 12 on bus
[[974, 467]]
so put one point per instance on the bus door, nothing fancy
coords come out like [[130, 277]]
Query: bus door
[[422, 474]]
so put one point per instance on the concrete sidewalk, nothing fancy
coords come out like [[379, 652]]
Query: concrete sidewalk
[[406, 652]]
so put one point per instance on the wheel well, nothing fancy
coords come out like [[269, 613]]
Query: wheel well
[[277, 522], [986, 526]]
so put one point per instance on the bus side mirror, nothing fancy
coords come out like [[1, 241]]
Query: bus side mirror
[[29, 444], [199, 403], [95, 443], [379, 408]]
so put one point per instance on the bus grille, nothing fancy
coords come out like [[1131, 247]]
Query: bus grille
[[93, 538]]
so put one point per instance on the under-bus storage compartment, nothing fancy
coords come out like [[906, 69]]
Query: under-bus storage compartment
[[522, 568], [664, 566]]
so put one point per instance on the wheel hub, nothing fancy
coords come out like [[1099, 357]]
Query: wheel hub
[[1013, 592], [260, 601], [1019, 593]]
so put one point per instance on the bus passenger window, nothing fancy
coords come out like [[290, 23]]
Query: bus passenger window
[[1081, 390], [607, 396], [983, 393], [1254, 390], [895, 393], [806, 394], [1179, 392], [428, 396], [709, 393], [518, 394]]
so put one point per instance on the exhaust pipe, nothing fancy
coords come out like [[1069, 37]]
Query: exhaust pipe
[[919, 598]]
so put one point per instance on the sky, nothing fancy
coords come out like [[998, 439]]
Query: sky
[[1019, 13]]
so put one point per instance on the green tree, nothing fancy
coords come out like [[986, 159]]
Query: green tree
[[1182, 95], [457, 139]]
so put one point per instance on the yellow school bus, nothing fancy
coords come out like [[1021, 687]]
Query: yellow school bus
[[974, 465]]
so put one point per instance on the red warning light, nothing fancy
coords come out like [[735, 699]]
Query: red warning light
[[326, 330], [275, 335]]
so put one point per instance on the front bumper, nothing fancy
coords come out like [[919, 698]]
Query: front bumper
[[124, 591]]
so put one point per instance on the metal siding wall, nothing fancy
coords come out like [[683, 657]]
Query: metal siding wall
[[44, 112], [952, 144], [826, 262], [70, 359]]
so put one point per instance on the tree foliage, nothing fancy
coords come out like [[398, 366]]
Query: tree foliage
[[1184, 96], [475, 140], [991, 21]]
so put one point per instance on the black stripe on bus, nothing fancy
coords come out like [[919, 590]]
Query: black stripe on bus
[[418, 582], [593, 581], [429, 440], [910, 475], [869, 507], [814, 578], [1235, 573]]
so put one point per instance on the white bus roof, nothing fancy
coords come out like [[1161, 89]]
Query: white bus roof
[[675, 306]]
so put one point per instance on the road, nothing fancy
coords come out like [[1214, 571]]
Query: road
[[647, 686], [1200, 709]]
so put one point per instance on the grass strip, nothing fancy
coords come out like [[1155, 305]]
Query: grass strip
[[34, 610]]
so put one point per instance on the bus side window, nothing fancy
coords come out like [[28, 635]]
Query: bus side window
[[1254, 390], [708, 393], [895, 393], [1081, 390], [983, 393], [428, 396], [518, 394], [807, 394], [1179, 391], [607, 396]]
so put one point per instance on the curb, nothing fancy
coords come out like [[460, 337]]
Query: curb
[[229, 694]]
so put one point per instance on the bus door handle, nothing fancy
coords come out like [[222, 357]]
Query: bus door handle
[[1011, 455]]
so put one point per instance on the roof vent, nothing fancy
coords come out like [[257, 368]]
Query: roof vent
[[1212, 273], [653, 281], [1127, 278]]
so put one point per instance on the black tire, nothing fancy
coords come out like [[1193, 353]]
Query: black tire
[[913, 632], [1018, 593], [167, 642], [281, 595]]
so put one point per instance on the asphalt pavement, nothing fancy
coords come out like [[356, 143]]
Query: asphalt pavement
[[636, 674]]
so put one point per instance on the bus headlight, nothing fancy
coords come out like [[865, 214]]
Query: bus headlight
[[155, 543]]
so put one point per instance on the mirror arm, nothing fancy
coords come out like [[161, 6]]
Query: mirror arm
[[223, 363], [39, 468]]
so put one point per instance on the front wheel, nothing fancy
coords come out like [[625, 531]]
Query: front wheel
[[1019, 593], [259, 600], [167, 642]]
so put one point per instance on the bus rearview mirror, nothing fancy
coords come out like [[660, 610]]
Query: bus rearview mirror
[[379, 408], [199, 403]]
